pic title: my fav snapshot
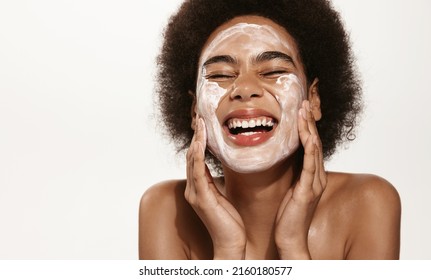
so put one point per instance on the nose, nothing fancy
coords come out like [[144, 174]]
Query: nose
[[245, 88]]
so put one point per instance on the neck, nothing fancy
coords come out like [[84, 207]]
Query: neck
[[268, 184], [257, 197]]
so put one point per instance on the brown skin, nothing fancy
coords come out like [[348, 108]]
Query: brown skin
[[285, 212], [358, 217]]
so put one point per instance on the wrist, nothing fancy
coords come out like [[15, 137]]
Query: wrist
[[294, 252], [229, 253], [294, 255]]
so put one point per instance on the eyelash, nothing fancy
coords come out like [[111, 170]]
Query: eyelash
[[274, 73], [224, 77], [219, 77]]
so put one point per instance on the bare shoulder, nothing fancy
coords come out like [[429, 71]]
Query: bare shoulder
[[158, 210], [363, 189], [372, 208], [169, 227], [163, 192]]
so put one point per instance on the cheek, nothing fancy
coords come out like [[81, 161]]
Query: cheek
[[289, 94], [208, 98]]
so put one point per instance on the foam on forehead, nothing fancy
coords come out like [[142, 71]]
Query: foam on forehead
[[264, 33]]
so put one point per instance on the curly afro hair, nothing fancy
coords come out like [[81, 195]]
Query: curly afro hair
[[323, 45]]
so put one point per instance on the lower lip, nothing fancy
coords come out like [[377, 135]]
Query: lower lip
[[250, 140]]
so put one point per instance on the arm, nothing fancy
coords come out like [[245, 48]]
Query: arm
[[158, 238]]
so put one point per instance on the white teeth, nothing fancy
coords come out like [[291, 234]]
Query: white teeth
[[261, 121], [248, 133], [258, 122]]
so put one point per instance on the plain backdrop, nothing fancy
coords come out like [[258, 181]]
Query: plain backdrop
[[79, 145]]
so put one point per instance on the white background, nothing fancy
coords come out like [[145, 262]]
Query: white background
[[79, 146]]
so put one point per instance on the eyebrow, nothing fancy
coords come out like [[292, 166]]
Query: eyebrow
[[220, 58], [270, 55], [262, 57]]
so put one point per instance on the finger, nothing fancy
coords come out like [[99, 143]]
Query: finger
[[321, 172], [311, 122], [303, 129], [201, 133], [196, 181], [190, 189], [197, 136], [199, 174], [317, 184], [194, 136], [195, 128], [310, 129], [323, 178], [210, 178], [309, 165], [198, 171], [199, 166], [190, 159], [318, 143]]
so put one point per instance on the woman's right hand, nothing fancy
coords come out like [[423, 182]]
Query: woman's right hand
[[221, 219]]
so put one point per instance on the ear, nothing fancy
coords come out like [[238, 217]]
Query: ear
[[314, 98], [193, 110]]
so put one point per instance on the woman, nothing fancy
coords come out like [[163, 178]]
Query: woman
[[271, 90]]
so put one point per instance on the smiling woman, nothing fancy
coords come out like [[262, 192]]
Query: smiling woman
[[271, 90]]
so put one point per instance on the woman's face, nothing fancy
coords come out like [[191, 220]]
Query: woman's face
[[250, 86]]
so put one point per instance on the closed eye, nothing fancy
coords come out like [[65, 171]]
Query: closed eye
[[274, 74], [219, 77]]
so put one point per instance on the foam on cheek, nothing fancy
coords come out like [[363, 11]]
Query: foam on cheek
[[208, 98], [290, 99]]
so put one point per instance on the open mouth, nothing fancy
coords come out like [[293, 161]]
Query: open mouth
[[251, 126], [250, 131]]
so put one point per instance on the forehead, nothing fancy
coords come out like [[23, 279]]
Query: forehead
[[249, 34]]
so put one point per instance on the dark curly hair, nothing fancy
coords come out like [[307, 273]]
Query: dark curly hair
[[323, 47]]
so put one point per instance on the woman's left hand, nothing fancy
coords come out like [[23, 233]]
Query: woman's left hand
[[298, 206]]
